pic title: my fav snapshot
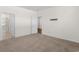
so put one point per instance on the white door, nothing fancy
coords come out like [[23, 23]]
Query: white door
[[1, 34], [3, 25], [12, 25], [34, 23]]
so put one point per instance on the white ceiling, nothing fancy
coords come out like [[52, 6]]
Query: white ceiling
[[36, 8]]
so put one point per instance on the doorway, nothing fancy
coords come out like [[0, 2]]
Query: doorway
[[39, 25], [7, 26]]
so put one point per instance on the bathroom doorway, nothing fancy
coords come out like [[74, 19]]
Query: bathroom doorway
[[7, 26]]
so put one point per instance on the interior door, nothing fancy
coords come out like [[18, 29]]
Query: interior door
[[3, 29], [2, 26], [34, 23], [12, 26], [1, 32]]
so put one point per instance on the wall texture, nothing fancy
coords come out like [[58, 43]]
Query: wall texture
[[67, 25]]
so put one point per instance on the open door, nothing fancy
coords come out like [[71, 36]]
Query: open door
[[7, 26], [1, 30], [34, 24], [12, 26]]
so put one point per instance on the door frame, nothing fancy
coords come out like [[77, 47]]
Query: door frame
[[13, 28]]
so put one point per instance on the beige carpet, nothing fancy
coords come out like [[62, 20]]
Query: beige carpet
[[38, 43]]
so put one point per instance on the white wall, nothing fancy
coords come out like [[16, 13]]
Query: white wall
[[67, 26], [22, 19]]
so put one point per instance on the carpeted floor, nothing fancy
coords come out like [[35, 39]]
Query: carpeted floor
[[38, 43]]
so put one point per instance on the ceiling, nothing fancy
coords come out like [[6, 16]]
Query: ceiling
[[36, 8]]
